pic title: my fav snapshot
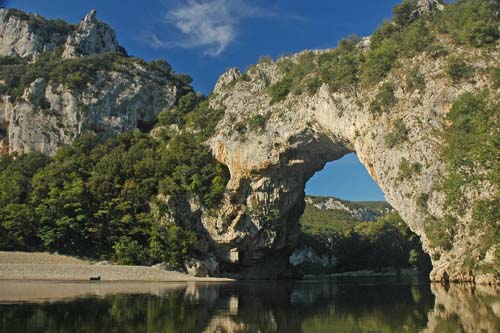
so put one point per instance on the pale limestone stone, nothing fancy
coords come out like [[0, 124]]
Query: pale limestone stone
[[116, 103], [91, 37], [24, 38], [269, 167]]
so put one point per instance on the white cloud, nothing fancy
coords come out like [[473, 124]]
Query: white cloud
[[208, 24]]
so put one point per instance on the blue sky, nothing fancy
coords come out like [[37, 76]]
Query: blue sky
[[205, 37]]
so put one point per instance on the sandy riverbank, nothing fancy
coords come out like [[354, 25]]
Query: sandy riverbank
[[46, 266], [45, 291]]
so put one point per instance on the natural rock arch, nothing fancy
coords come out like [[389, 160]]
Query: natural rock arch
[[271, 150]]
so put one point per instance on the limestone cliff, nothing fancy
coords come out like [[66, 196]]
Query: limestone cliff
[[273, 145], [59, 81], [384, 97], [27, 35], [91, 37]]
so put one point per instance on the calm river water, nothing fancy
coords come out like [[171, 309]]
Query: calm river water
[[322, 306]]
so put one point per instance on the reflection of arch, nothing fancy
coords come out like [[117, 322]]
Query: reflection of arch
[[472, 308], [293, 307]]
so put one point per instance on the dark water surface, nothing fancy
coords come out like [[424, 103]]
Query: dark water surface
[[322, 306]]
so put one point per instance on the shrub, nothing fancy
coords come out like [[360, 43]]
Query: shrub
[[422, 200], [240, 127], [408, 170], [280, 90], [440, 232], [457, 69], [470, 154], [44, 27], [379, 61], [404, 13], [313, 84], [471, 22], [469, 146], [257, 122], [416, 38], [77, 73], [13, 60], [386, 31], [245, 77], [495, 77], [128, 252], [265, 60], [339, 68], [384, 100], [399, 134], [415, 80], [437, 51]]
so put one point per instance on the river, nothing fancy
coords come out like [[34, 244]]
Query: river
[[310, 306]]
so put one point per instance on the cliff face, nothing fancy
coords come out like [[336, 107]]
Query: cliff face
[[91, 37], [59, 80], [27, 35], [273, 147], [85, 83], [116, 103]]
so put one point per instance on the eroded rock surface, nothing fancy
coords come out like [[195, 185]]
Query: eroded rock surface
[[125, 95], [271, 163], [91, 37], [50, 115], [27, 35]]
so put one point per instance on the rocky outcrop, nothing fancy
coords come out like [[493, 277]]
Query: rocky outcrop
[[50, 115], [425, 6], [271, 163], [356, 210], [27, 35], [202, 268], [125, 94], [309, 255], [91, 37]]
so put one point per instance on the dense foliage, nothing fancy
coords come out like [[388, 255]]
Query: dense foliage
[[100, 199], [471, 23], [387, 242], [472, 154], [17, 73]]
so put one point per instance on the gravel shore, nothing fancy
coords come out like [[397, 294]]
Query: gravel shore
[[46, 266]]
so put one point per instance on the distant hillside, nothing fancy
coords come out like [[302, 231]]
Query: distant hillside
[[359, 210], [339, 235], [330, 214]]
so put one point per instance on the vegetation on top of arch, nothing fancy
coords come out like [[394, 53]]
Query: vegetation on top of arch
[[469, 23]]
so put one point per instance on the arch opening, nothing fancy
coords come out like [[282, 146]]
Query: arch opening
[[348, 226]]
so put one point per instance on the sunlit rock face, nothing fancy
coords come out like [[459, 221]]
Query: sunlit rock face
[[48, 114], [116, 103], [25, 35], [91, 37], [272, 149]]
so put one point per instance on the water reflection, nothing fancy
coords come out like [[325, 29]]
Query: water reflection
[[465, 309], [292, 307]]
